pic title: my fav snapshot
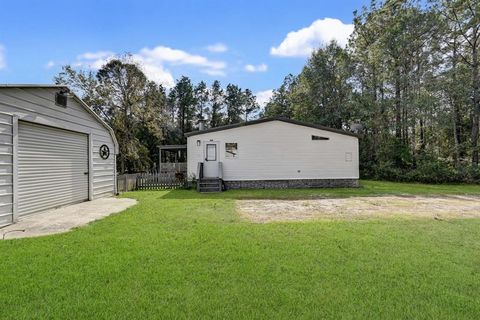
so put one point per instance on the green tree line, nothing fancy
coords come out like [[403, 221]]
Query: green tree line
[[144, 115], [408, 82]]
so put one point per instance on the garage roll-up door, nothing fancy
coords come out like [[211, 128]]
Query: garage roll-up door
[[52, 167]]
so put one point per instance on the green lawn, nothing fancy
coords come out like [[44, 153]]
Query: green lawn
[[179, 254]]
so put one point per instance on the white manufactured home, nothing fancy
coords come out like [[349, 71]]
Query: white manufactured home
[[272, 153], [54, 151]]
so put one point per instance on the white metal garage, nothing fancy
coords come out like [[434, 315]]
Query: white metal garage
[[52, 167], [54, 151]]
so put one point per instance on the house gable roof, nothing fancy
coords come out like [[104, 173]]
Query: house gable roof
[[249, 123]]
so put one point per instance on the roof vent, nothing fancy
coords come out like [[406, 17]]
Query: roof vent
[[319, 138], [61, 98]]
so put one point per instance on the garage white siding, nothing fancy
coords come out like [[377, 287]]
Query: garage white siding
[[6, 169], [277, 150], [52, 167], [37, 105]]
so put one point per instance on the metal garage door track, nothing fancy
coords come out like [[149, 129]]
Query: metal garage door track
[[65, 218]]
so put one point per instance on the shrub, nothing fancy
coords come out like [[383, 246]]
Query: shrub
[[427, 170], [180, 176], [387, 171], [432, 171], [468, 174]]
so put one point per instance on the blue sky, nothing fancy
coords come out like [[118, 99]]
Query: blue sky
[[251, 43]]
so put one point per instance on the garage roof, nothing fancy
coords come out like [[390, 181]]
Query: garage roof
[[249, 123], [28, 85], [77, 98]]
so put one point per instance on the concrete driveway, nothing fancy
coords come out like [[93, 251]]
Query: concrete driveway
[[65, 218]]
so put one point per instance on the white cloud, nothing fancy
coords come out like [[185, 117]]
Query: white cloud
[[180, 57], [217, 48], [93, 60], [302, 42], [3, 59], [153, 62], [263, 97], [214, 73], [50, 64], [156, 72], [259, 68], [95, 55]]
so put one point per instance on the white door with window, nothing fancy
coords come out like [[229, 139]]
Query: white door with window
[[210, 163]]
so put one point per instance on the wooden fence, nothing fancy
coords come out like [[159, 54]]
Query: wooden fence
[[149, 181], [156, 180], [126, 182]]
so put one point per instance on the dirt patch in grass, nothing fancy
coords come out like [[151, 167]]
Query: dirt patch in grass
[[450, 207]]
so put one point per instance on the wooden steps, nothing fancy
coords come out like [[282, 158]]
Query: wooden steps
[[210, 185]]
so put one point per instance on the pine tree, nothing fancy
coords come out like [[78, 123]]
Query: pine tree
[[281, 104], [201, 99], [250, 104], [183, 99], [217, 103], [234, 101]]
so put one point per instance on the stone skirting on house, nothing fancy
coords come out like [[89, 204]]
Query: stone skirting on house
[[292, 184]]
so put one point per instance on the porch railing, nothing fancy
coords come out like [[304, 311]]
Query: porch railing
[[171, 167], [200, 168], [220, 170]]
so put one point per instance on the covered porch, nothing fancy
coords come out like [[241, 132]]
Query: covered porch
[[172, 159]]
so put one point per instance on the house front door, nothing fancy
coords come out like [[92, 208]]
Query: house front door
[[210, 164]]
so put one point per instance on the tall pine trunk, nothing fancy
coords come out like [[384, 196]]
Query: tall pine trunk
[[125, 141], [398, 105], [422, 135], [476, 101], [457, 122]]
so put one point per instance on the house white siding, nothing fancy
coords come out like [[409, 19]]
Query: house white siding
[[37, 105], [277, 150]]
